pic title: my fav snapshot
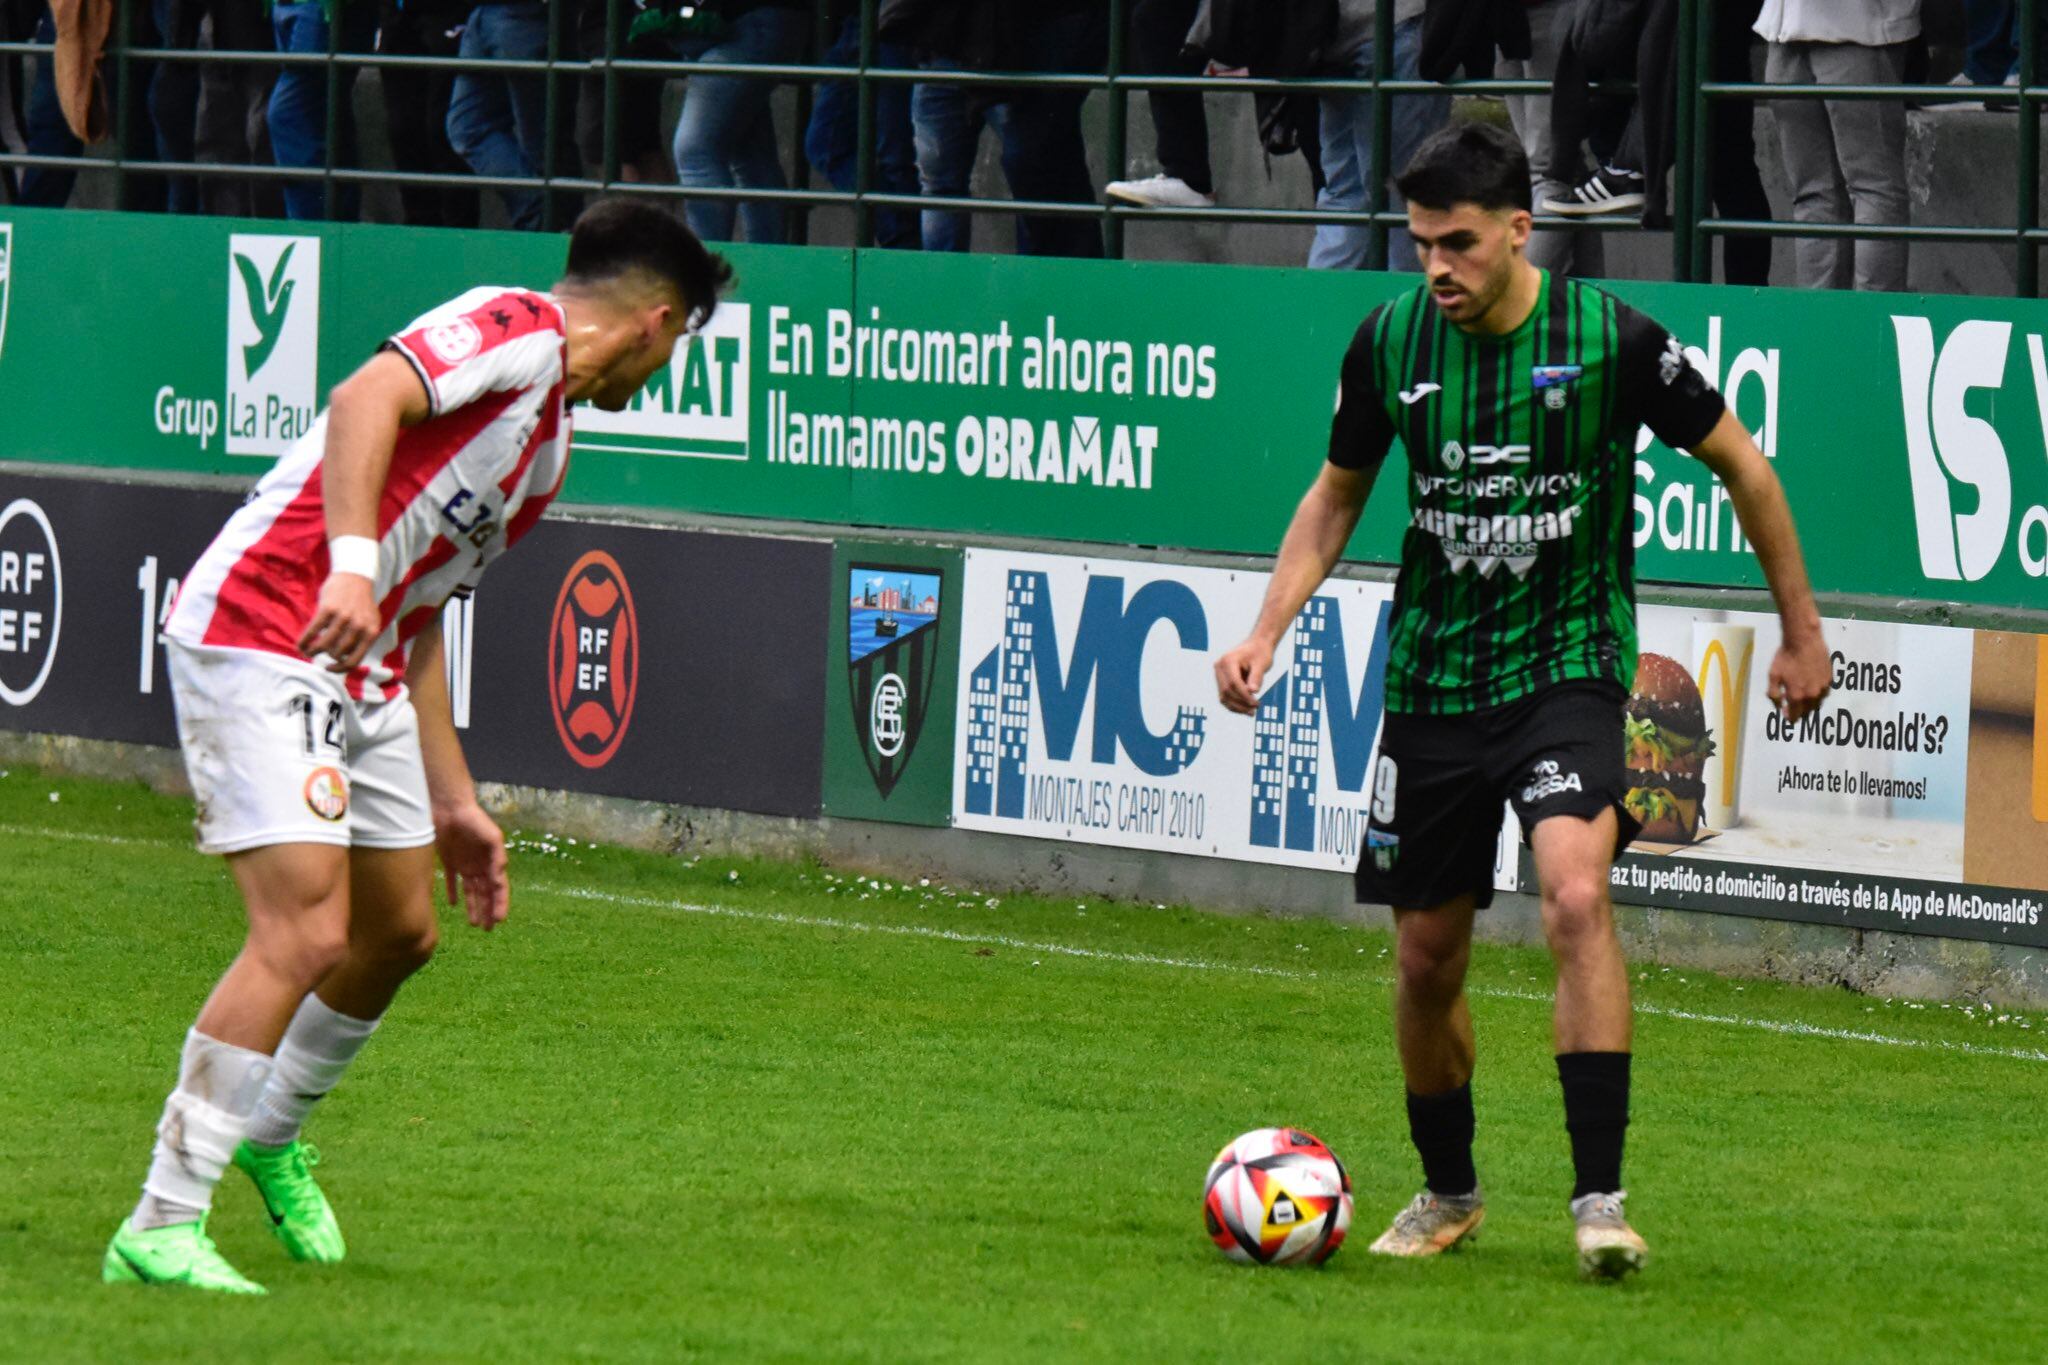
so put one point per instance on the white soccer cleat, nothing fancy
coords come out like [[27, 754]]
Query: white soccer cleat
[[1609, 1248], [1159, 192], [1432, 1224]]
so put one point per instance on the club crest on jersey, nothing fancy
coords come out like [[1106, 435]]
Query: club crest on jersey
[[327, 793], [1384, 848], [454, 342], [1554, 383]]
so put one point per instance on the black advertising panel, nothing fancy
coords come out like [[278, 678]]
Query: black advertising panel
[[675, 666], [88, 570], [678, 666]]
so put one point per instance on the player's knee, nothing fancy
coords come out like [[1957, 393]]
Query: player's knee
[[1576, 911], [306, 950], [1430, 968], [413, 947]]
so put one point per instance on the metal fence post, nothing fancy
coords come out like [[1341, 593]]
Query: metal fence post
[[551, 118], [864, 134], [799, 162], [2027, 258], [1119, 133], [332, 87], [614, 39], [124, 85], [1685, 209], [1382, 135], [1702, 169]]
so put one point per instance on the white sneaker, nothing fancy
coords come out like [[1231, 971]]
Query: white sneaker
[[1433, 1224], [1608, 1247], [1959, 79], [1159, 192]]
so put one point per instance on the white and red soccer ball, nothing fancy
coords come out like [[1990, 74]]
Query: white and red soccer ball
[[1277, 1196]]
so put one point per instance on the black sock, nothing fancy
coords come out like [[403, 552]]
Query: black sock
[[1441, 1128], [1596, 1116]]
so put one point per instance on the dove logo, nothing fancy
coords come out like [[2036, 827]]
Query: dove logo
[[273, 341]]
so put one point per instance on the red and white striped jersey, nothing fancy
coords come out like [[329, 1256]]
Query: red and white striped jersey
[[464, 485]]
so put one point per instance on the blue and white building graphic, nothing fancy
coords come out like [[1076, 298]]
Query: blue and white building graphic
[[1105, 665], [1294, 714]]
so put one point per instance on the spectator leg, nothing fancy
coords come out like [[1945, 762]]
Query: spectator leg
[[1180, 124], [1736, 185], [835, 112], [174, 98], [726, 136], [1414, 117], [757, 164], [523, 32], [481, 123], [1806, 141], [895, 154], [1870, 143], [1347, 155], [47, 132], [416, 115], [298, 133], [1563, 251], [1990, 47], [1045, 158], [948, 133]]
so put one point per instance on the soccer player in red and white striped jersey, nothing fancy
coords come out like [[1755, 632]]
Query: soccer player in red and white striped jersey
[[305, 661]]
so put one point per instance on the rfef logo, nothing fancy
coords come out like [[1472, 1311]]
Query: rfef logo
[[593, 659], [892, 659], [696, 407], [273, 341], [31, 601]]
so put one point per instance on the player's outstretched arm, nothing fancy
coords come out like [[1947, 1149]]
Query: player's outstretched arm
[[471, 846], [364, 415], [1801, 672], [1315, 540]]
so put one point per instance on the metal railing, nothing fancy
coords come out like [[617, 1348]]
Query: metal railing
[[1693, 227]]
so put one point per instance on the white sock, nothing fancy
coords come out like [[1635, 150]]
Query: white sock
[[317, 1048], [203, 1122]]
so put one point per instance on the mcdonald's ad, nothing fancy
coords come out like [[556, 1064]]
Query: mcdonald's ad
[[1914, 798]]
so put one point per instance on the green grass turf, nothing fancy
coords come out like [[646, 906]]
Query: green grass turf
[[618, 1131]]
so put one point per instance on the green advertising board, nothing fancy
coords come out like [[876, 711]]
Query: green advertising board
[[1119, 402], [891, 677]]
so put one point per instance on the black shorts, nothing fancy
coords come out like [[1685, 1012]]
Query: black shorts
[[1437, 793]]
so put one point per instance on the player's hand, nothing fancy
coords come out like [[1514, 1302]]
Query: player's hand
[[1241, 673], [1800, 676], [472, 850], [344, 624]]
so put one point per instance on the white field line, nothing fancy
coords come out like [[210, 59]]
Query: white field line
[[1790, 1028], [1786, 1027], [83, 836]]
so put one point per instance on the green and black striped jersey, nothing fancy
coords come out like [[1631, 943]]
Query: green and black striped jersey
[[1518, 565]]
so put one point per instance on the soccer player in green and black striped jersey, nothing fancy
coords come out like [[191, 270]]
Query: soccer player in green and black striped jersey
[[1517, 397]]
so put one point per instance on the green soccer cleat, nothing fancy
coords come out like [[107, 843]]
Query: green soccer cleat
[[181, 1254], [299, 1213]]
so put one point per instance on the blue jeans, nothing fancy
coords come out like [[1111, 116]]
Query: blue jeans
[[1991, 50], [726, 136], [835, 121], [498, 124], [298, 102], [947, 128], [47, 134], [1347, 156]]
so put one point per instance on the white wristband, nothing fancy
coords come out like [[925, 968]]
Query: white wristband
[[353, 554]]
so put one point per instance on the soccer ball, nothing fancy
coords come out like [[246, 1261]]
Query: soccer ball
[[1277, 1196]]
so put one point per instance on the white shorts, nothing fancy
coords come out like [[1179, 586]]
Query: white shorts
[[279, 753]]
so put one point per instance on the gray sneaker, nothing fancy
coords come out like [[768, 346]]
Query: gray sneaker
[[1608, 1247], [1433, 1223]]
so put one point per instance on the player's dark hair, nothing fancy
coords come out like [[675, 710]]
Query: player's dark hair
[[618, 236], [1468, 163]]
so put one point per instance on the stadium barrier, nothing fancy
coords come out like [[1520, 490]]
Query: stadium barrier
[[798, 666]]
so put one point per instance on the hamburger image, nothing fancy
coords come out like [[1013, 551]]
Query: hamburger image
[[1668, 742]]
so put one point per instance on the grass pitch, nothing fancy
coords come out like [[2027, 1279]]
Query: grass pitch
[[754, 1111]]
